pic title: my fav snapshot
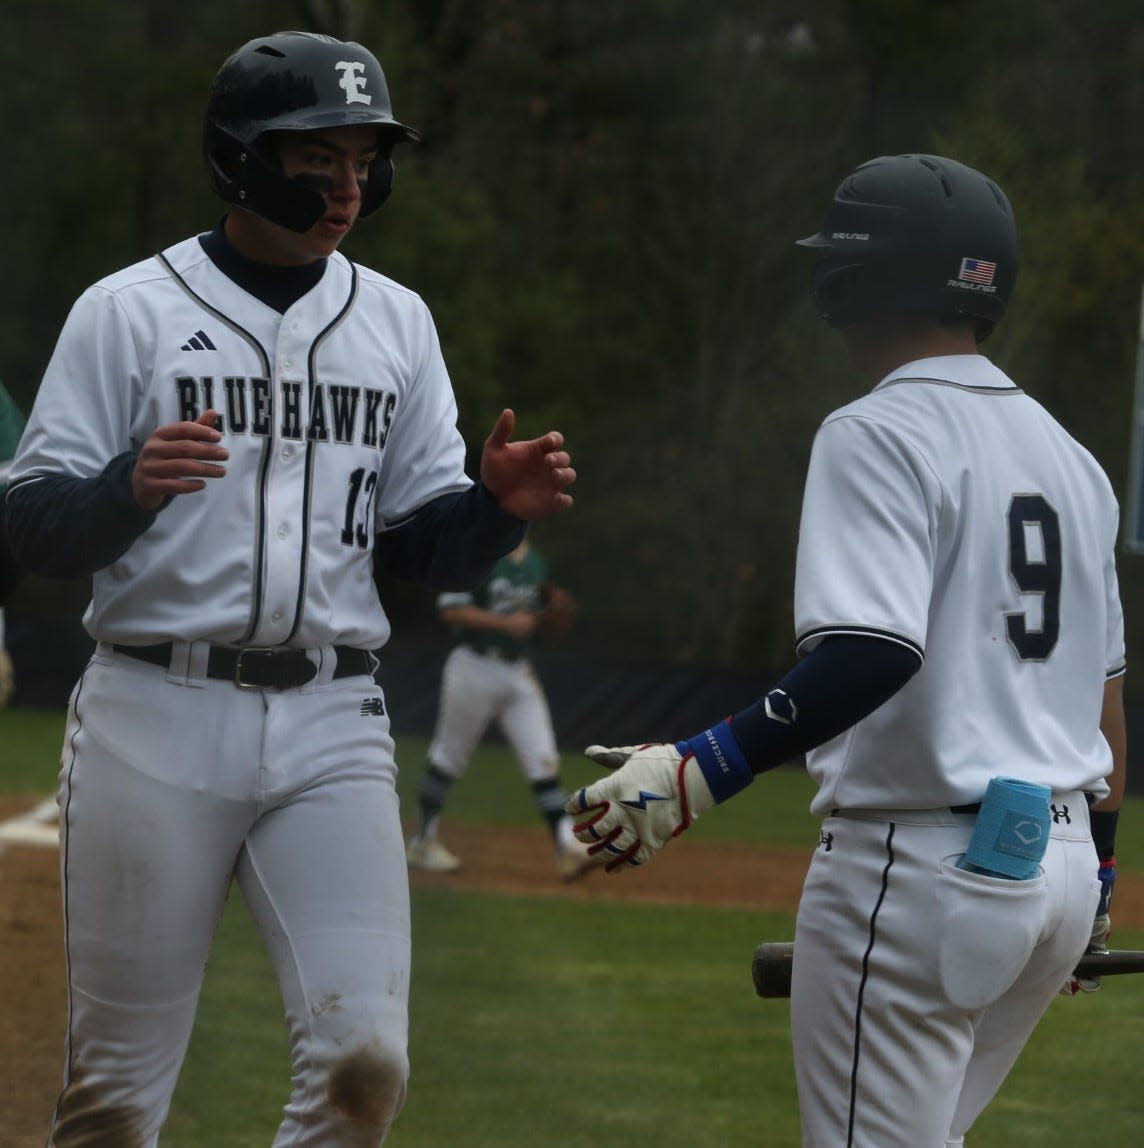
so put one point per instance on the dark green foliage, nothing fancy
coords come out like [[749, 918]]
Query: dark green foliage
[[602, 217]]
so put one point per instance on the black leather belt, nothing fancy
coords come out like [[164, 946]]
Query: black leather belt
[[975, 807], [259, 668], [972, 809]]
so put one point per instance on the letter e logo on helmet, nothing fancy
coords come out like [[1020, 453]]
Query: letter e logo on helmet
[[294, 82], [352, 81]]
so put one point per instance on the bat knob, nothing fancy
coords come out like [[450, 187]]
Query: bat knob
[[771, 968]]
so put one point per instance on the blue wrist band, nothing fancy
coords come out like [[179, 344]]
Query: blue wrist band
[[1012, 830], [720, 760]]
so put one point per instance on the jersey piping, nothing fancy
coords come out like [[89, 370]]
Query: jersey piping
[[307, 490], [998, 392], [264, 460], [864, 979], [861, 632], [65, 847]]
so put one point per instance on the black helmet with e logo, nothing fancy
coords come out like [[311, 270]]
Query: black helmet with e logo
[[916, 234], [294, 81]]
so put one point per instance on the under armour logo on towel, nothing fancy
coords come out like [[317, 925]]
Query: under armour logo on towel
[[353, 82], [373, 707]]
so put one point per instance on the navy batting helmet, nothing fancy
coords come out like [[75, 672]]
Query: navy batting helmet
[[916, 234], [294, 81]]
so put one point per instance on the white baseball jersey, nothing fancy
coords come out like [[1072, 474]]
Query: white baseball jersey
[[948, 511], [338, 416]]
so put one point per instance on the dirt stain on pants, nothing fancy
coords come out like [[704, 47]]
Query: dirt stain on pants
[[83, 1120], [367, 1093]]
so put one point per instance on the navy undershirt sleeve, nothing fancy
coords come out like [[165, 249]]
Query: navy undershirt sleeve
[[61, 526], [10, 570], [841, 681], [451, 543]]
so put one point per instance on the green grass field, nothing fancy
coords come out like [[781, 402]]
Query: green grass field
[[509, 995]]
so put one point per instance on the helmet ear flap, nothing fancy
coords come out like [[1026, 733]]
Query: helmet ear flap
[[379, 186], [222, 151], [837, 290], [243, 177]]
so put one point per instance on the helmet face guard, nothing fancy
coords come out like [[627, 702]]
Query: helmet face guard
[[915, 234], [294, 81]]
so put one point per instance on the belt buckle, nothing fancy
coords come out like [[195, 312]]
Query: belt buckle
[[272, 654], [243, 651]]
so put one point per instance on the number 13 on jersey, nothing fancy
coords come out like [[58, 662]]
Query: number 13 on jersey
[[359, 502]]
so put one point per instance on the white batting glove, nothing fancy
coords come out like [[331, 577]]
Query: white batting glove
[[1101, 928], [1098, 943], [656, 793]]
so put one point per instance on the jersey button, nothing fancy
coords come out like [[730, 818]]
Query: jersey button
[[283, 530]]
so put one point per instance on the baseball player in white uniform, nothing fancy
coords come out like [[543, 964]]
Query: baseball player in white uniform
[[234, 438], [489, 676], [959, 698]]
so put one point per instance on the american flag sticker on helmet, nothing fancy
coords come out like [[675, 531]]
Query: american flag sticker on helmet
[[977, 271]]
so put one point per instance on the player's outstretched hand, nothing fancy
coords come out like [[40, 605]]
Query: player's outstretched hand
[[655, 793], [177, 459], [528, 479]]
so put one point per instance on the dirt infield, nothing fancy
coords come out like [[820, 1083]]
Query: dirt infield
[[515, 862], [32, 986]]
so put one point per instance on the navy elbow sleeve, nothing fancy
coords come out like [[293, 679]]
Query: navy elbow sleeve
[[842, 681]]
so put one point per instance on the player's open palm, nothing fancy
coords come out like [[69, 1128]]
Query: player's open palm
[[528, 479], [177, 459], [655, 793]]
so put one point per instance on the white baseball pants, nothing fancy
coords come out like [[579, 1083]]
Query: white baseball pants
[[477, 689], [170, 790], [915, 984]]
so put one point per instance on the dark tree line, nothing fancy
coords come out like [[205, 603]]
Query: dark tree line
[[602, 218]]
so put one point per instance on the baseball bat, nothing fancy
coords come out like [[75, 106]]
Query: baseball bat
[[773, 961]]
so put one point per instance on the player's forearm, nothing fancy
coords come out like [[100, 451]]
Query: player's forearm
[[451, 543], [61, 526], [1106, 814], [473, 618], [842, 681]]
